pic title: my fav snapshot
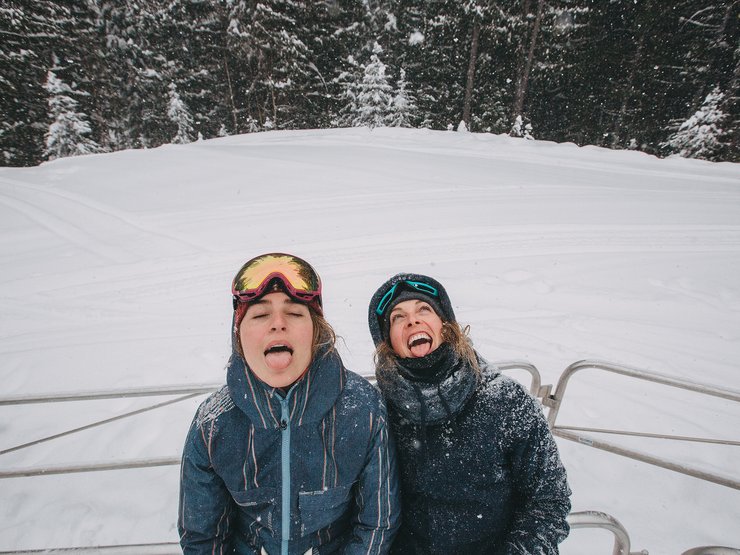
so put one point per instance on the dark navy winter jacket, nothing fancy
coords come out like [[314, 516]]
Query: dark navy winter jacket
[[480, 471], [313, 469]]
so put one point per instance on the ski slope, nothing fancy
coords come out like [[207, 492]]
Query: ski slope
[[115, 272]]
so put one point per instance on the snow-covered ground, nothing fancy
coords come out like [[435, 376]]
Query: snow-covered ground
[[115, 272]]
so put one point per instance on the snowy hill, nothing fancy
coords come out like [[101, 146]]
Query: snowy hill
[[115, 272]]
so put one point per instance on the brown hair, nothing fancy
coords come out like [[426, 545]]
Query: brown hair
[[452, 333], [323, 334]]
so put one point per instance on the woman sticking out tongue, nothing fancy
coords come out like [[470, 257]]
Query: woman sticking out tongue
[[480, 471], [284, 458]]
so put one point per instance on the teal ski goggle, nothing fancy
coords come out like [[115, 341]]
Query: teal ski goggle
[[392, 292]]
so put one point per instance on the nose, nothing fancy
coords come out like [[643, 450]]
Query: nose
[[278, 322]]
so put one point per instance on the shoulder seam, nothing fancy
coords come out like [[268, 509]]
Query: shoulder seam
[[214, 406]]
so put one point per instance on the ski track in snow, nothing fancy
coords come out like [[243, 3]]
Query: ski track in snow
[[79, 221]]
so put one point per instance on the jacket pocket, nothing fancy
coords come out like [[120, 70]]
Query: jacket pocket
[[321, 508], [257, 505]]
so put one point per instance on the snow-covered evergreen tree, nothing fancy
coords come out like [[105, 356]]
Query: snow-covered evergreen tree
[[179, 114], [402, 105], [375, 95], [521, 129], [271, 61], [69, 131], [349, 81], [700, 136]]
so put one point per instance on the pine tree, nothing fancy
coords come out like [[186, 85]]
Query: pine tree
[[340, 34], [193, 39], [22, 97], [701, 135], [521, 129], [349, 81], [402, 105], [32, 31], [433, 48], [68, 133], [273, 74], [179, 114], [133, 76], [374, 98]]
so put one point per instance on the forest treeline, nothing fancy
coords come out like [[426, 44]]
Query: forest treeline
[[82, 76]]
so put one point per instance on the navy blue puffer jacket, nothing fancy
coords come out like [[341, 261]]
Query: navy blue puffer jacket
[[485, 478], [312, 470], [480, 470]]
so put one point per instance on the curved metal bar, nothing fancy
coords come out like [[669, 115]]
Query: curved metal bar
[[557, 397], [596, 519], [644, 457], [712, 550], [536, 384]]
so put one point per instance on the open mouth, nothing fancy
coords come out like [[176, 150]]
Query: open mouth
[[278, 356], [419, 339], [420, 344], [274, 349]]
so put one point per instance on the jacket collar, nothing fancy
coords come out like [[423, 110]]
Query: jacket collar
[[309, 399]]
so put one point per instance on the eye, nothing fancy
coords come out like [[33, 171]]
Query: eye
[[424, 308], [298, 314], [395, 317], [258, 315]]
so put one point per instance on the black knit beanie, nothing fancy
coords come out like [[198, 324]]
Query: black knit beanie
[[379, 325]]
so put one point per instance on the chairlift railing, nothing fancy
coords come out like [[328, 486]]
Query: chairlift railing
[[578, 434], [552, 401], [712, 550], [185, 391], [163, 548], [595, 519]]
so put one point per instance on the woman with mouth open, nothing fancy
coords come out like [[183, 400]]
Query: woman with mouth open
[[292, 456], [480, 471]]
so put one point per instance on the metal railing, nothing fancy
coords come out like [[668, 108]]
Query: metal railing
[[185, 392], [577, 434], [595, 519], [551, 401], [535, 386], [712, 550], [164, 548]]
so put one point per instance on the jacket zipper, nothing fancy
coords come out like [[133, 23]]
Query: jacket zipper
[[285, 467]]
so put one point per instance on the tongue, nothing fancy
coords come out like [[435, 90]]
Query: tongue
[[422, 348], [278, 360]]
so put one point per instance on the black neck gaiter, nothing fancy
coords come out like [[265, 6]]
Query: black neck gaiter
[[432, 368]]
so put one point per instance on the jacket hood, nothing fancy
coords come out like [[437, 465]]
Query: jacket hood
[[376, 322], [310, 398]]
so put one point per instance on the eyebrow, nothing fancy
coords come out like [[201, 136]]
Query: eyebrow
[[263, 302], [417, 304]]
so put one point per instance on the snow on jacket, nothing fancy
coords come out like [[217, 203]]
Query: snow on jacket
[[313, 470], [480, 470]]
